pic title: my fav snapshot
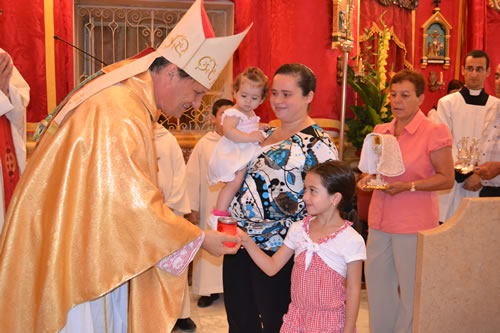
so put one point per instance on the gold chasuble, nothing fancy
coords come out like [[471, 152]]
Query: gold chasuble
[[87, 216]]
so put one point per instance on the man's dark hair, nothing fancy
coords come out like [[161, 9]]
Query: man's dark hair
[[219, 103], [161, 62], [454, 85], [478, 54]]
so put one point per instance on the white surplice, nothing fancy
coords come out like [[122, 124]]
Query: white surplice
[[172, 182], [207, 269], [463, 120], [171, 171]]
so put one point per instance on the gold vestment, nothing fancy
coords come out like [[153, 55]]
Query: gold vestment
[[87, 216]]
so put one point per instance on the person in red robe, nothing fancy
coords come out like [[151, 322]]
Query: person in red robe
[[14, 98]]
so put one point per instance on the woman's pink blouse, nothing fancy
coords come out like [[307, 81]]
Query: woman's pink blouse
[[409, 212]]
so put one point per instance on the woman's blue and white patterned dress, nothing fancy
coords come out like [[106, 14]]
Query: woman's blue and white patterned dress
[[270, 199]]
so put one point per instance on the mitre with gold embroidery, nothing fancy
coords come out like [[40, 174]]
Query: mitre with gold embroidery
[[193, 47]]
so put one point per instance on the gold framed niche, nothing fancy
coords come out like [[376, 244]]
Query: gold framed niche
[[436, 40], [342, 15]]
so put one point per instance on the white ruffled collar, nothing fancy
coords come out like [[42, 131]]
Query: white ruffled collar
[[312, 247]]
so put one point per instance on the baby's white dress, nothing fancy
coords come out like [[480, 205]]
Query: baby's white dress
[[229, 156]]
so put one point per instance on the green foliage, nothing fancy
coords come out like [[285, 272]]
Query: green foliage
[[375, 109]]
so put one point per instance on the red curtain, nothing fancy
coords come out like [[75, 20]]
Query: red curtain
[[287, 31], [394, 17], [476, 25], [22, 36], [284, 31], [492, 46], [63, 28]]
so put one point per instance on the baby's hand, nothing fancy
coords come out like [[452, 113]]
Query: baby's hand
[[264, 127], [257, 136]]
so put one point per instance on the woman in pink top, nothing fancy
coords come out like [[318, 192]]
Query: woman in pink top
[[408, 205]]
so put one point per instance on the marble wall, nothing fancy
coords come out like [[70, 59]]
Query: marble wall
[[458, 271]]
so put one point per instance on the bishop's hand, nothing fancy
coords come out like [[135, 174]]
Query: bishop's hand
[[5, 72], [214, 243]]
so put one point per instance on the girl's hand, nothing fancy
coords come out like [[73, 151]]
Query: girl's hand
[[243, 236], [257, 136], [363, 181], [264, 127], [397, 187]]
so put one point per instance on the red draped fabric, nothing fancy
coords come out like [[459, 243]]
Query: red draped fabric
[[22, 36], [8, 161], [287, 31], [476, 25], [63, 28], [492, 46], [396, 18], [284, 31]]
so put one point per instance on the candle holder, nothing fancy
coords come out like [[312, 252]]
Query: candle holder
[[434, 84]]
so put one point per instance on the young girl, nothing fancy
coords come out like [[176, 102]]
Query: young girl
[[327, 250], [241, 137]]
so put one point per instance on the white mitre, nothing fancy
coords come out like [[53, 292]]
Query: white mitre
[[191, 46]]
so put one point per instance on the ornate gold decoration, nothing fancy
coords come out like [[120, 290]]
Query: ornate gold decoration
[[495, 4], [207, 64], [460, 34], [436, 40], [179, 43], [342, 22], [434, 84], [406, 4], [340, 69], [53, 126], [376, 29]]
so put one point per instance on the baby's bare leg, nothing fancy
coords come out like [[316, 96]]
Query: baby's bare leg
[[228, 192]]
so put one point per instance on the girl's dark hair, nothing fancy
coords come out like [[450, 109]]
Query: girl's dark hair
[[254, 75], [306, 77], [336, 176]]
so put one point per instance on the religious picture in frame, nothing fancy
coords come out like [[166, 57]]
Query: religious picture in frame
[[436, 40], [342, 21]]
